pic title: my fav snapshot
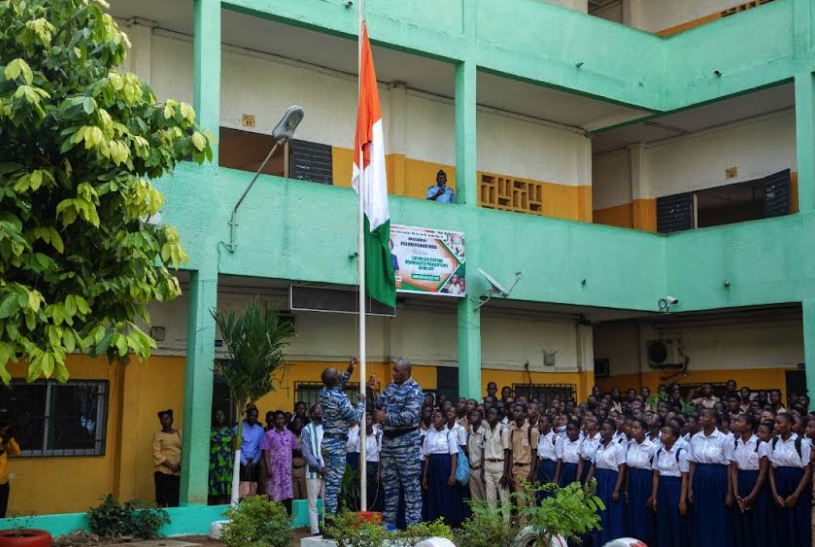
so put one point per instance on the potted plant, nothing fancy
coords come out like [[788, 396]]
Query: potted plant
[[20, 535]]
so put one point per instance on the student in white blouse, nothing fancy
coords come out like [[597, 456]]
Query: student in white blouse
[[608, 466], [591, 440], [669, 489], [788, 485], [639, 479], [548, 442], [711, 452], [568, 455], [748, 479], [454, 426], [373, 445], [440, 450]]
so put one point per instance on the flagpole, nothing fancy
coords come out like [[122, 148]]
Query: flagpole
[[363, 376]]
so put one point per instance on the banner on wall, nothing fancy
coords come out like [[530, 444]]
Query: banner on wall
[[428, 261]]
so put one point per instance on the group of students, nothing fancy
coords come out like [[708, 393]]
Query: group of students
[[671, 471]]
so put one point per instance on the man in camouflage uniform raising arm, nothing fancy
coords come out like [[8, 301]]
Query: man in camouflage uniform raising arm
[[397, 409], [338, 412]]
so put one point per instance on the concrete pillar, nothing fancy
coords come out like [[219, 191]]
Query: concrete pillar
[[469, 347], [809, 347], [805, 139], [140, 32], [207, 61], [397, 121], [633, 13], [466, 143], [198, 379], [643, 209]]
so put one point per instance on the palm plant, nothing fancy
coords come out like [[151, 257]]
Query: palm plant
[[255, 340]]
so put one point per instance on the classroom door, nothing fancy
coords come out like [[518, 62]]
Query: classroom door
[[447, 383]]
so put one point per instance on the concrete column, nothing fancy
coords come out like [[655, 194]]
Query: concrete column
[[198, 378], [805, 139], [809, 347], [466, 143], [207, 61], [140, 32], [643, 209], [469, 347], [633, 13], [397, 93]]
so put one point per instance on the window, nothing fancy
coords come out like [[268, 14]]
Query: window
[[52, 419], [309, 392], [544, 392]]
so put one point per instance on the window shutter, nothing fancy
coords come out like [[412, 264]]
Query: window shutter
[[310, 161], [777, 194], [675, 213]]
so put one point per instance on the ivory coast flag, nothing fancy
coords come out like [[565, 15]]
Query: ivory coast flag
[[380, 283]]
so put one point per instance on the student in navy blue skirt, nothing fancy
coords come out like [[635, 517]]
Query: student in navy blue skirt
[[669, 489], [568, 455], [548, 442], [788, 485], [608, 468], [751, 461], [639, 480], [591, 439], [440, 451], [711, 452]]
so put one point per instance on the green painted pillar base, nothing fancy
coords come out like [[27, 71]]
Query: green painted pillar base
[[469, 349], [809, 348], [805, 139], [198, 378], [466, 172]]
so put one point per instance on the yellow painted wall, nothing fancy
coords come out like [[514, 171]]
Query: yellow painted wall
[[755, 379], [73, 484], [620, 215]]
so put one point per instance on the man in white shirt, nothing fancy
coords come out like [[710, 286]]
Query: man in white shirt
[[311, 439]]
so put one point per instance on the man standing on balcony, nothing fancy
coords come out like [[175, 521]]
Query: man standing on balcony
[[397, 409], [338, 413], [441, 192]]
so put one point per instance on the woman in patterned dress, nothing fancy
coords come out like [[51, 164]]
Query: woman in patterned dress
[[221, 460], [278, 446]]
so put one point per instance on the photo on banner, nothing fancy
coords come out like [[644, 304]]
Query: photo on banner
[[428, 261]]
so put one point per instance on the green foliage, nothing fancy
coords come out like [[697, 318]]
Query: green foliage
[[347, 529], [487, 527], [570, 512], [256, 522], [131, 519], [255, 341], [350, 489], [81, 140]]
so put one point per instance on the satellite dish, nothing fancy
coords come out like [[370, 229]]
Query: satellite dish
[[496, 287]]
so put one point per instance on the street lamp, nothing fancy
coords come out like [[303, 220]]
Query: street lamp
[[282, 133]]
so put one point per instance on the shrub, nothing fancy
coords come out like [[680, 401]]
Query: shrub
[[256, 522], [131, 519], [487, 527], [349, 530], [570, 512]]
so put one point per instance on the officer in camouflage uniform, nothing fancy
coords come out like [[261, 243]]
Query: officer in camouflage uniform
[[338, 412], [397, 409]]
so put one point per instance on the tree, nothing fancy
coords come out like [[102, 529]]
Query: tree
[[79, 260], [255, 341]]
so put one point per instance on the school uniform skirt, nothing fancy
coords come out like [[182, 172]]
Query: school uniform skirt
[[568, 474], [612, 524], [639, 518], [710, 516], [792, 526], [546, 474], [443, 501], [669, 523], [585, 474], [750, 527]]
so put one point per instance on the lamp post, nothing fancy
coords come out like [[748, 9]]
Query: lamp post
[[282, 133]]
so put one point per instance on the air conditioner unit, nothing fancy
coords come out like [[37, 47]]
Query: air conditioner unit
[[665, 354]]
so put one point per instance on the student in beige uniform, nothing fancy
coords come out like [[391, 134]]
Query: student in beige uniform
[[521, 461], [493, 473], [475, 448]]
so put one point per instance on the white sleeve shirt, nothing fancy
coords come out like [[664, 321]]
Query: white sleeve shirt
[[610, 456], [548, 446], [569, 451], [440, 442], [639, 456], [589, 447], [715, 449], [747, 456], [673, 462], [784, 454], [460, 433]]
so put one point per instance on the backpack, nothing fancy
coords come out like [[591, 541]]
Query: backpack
[[736, 445], [656, 456], [462, 468], [798, 442]]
